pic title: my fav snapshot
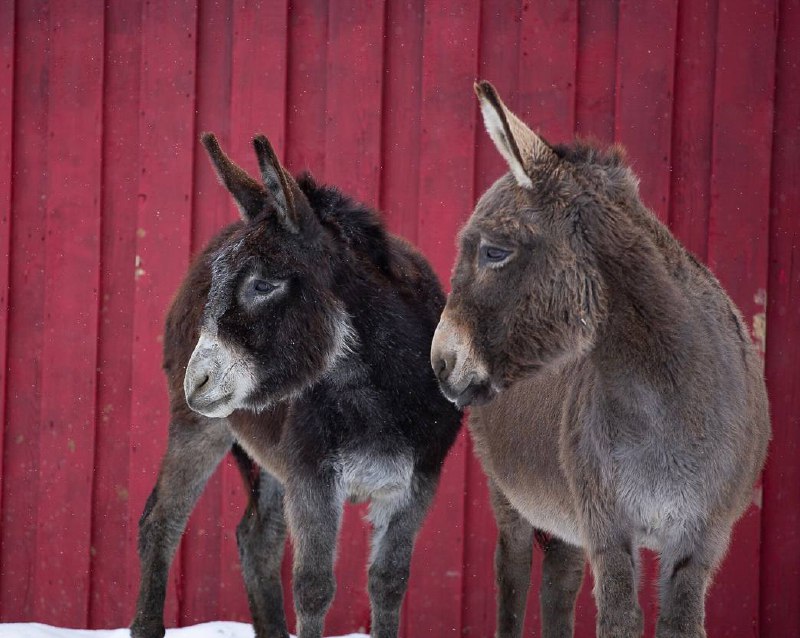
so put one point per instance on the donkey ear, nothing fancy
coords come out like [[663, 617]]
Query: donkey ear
[[277, 182], [516, 142], [249, 194]]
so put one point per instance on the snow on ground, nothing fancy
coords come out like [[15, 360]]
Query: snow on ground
[[205, 630]]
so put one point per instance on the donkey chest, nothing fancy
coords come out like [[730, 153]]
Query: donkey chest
[[364, 474], [660, 488]]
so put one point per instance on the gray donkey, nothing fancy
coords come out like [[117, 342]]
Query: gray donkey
[[618, 401]]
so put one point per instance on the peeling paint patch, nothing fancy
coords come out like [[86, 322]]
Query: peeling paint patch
[[138, 271], [760, 321], [760, 331], [71, 445], [758, 496]]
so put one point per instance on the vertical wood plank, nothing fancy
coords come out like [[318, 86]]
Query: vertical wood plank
[[307, 78], [547, 63], [645, 74], [780, 522], [499, 63], [597, 73], [206, 576], [402, 89], [446, 197], [546, 100], [72, 255], [738, 243], [305, 135], [646, 40], [258, 105], [692, 124], [26, 301], [352, 162], [6, 168], [110, 604], [167, 135]]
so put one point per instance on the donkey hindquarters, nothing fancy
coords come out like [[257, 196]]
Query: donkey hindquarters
[[301, 337], [618, 401]]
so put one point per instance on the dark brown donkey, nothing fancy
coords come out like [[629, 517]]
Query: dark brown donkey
[[618, 402], [300, 337]]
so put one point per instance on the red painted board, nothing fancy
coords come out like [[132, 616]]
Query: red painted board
[[645, 72], [18, 553], [109, 605], [546, 100], [780, 520], [167, 136], [201, 549], [69, 352], [307, 76], [498, 63], [6, 128], [352, 162], [692, 124], [257, 105], [548, 35], [402, 90], [646, 43], [738, 244], [305, 133], [446, 196], [595, 90]]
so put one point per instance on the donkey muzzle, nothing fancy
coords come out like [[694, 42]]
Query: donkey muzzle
[[217, 380], [463, 377]]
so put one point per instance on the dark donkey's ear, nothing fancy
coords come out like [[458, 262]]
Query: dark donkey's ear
[[516, 142], [250, 196], [277, 182]]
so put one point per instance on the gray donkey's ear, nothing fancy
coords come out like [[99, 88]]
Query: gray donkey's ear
[[277, 182], [249, 195], [520, 146]]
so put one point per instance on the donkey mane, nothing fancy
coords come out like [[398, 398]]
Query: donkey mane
[[625, 214], [357, 225]]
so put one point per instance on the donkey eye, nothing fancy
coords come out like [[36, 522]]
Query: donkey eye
[[493, 254], [262, 286]]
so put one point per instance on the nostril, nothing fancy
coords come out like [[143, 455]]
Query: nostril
[[203, 382], [445, 365], [195, 385]]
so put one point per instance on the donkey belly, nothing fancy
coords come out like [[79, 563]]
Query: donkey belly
[[517, 440]]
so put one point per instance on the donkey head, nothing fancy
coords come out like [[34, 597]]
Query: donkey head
[[271, 326], [525, 289]]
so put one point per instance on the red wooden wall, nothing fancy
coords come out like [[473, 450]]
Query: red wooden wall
[[105, 194]]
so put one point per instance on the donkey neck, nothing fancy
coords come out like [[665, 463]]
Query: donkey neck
[[648, 333]]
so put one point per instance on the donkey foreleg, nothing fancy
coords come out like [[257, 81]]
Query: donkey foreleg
[[512, 565], [261, 536], [685, 573], [396, 522], [314, 512], [196, 446], [562, 575], [615, 570]]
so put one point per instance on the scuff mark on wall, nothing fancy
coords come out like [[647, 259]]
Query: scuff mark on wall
[[760, 322]]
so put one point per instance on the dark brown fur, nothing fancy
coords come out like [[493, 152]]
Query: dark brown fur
[[300, 336], [617, 399]]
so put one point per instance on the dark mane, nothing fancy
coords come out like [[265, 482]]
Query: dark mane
[[591, 151], [353, 223]]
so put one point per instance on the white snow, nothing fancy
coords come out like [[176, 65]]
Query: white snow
[[218, 629]]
